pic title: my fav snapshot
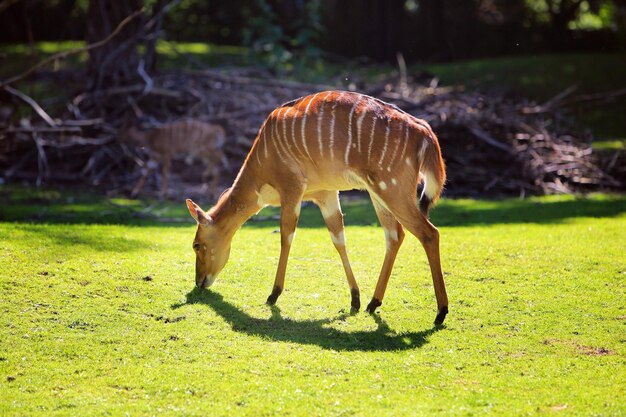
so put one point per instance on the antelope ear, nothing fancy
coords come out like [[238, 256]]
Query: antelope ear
[[198, 214]]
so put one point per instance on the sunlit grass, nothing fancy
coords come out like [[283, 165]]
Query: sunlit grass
[[610, 145], [198, 48], [103, 319]]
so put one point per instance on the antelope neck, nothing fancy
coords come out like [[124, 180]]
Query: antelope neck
[[238, 203]]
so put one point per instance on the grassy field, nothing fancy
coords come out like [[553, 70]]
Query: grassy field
[[99, 315]]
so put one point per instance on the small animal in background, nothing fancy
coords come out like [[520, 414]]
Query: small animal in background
[[194, 138]]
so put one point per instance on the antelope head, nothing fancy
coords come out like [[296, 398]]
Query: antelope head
[[211, 246], [135, 136]]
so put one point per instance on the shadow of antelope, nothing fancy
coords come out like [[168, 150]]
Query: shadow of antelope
[[309, 332]]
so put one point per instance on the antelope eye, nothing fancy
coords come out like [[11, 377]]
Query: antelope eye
[[196, 246]]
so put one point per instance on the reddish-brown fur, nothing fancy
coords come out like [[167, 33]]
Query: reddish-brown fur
[[313, 147], [194, 138]]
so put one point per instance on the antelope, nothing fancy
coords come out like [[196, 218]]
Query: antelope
[[312, 148], [192, 137]]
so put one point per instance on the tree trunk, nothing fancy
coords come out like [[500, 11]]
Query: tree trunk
[[115, 63]]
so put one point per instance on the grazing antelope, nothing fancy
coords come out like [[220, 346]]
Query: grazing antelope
[[312, 148], [194, 138]]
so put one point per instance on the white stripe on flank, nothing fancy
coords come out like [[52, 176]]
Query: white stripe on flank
[[395, 151], [284, 137], [294, 119], [359, 125], [332, 125], [285, 124], [382, 155], [320, 116], [278, 151], [306, 111], [406, 141], [276, 127], [369, 149], [278, 138], [256, 152], [264, 141], [284, 144], [275, 137], [350, 128], [284, 149], [420, 154]]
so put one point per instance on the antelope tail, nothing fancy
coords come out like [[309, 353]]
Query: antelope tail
[[433, 173]]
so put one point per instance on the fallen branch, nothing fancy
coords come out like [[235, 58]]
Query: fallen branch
[[65, 54], [482, 135], [28, 100], [43, 129], [137, 88], [267, 82], [608, 96]]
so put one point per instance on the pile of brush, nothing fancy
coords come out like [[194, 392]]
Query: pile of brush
[[492, 145]]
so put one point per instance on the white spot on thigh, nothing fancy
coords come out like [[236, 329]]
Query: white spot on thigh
[[393, 181], [408, 160], [290, 237], [339, 238], [382, 185]]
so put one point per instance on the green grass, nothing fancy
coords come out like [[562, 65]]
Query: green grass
[[538, 76], [17, 58], [99, 315]]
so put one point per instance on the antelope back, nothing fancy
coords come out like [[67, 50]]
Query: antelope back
[[343, 130], [188, 136]]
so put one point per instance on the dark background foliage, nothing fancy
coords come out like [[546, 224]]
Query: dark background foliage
[[515, 87], [427, 30]]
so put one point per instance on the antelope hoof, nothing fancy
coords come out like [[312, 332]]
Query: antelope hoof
[[373, 305], [441, 315], [271, 300], [356, 300]]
